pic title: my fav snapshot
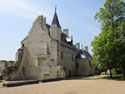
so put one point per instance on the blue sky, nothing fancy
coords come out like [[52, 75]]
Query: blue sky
[[17, 16]]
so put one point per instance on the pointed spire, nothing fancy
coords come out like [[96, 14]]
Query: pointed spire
[[55, 7], [55, 19]]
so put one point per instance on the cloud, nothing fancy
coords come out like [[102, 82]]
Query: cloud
[[22, 8]]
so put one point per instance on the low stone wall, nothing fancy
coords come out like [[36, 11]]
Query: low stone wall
[[14, 72]]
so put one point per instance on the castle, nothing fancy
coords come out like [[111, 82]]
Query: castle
[[47, 52]]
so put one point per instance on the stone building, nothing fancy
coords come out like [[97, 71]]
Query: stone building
[[47, 52]]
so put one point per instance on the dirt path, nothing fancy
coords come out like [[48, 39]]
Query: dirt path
[[74, 86]]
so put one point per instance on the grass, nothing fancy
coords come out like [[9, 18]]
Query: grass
[[114, 77]]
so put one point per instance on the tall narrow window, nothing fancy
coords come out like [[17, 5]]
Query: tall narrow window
[[62, 55], [72, 57], [77, 65]]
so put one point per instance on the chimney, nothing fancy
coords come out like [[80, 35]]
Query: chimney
[[72, 39], [66, 31], [81, 46], [78, 45], [86, 48]]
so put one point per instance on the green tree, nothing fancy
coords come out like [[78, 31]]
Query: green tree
[[107, 47]]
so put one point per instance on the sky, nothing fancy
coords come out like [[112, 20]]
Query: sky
[[17, 16]]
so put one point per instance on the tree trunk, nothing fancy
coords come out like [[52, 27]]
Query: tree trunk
[[124, 75], [110, 72], [123, 70], [116, 71]]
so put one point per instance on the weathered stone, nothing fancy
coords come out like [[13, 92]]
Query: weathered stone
[[47, 54]]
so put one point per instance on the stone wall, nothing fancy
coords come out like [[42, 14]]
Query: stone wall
[[92, 70], [2, 66], [14, 72], [83, 67], [5, 64], [42, 52], [68, 60]]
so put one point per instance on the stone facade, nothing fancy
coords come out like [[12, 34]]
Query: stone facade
[[50, 53]]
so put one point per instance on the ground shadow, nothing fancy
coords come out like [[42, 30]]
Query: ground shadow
[[115, 77], [81, 78]]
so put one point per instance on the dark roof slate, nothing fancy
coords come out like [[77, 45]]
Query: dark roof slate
[[88, 56], [64, 41], [55, 20]]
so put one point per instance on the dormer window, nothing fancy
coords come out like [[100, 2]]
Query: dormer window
[[68, 39]]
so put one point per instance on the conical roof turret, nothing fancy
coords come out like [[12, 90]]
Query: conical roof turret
[[55, 20]]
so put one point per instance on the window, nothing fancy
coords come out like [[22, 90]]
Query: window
[[22, 45], [62, 55], [77, 65], [72, 57]]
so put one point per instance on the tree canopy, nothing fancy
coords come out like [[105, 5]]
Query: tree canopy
[[109, 46]]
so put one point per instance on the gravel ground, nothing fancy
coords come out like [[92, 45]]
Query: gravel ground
[[72, 86]]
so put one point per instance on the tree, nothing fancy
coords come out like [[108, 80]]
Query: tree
[[107, 47], [121, 52]]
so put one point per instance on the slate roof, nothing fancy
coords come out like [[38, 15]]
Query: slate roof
[[55, 20], [83, 52], [64, 41]]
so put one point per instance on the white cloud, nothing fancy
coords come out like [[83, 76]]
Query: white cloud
[[22, 8]]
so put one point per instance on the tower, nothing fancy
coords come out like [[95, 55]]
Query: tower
[[55, 33], [55, 29]]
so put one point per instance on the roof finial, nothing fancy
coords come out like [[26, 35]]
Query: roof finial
[[55, 7]]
